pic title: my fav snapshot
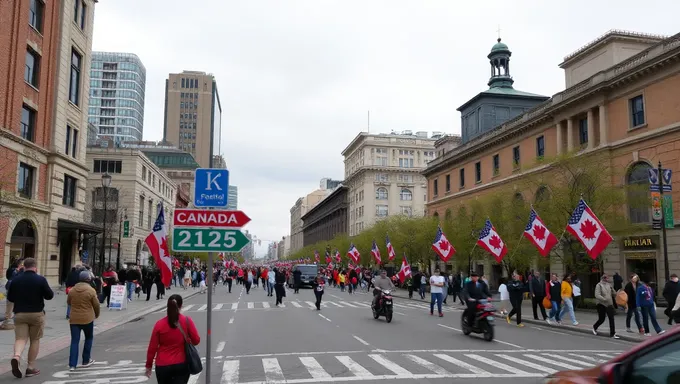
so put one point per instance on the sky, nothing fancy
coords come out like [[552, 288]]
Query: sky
[[297, 77]]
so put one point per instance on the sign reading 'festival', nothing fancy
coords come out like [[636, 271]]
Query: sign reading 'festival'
[[209, 218]]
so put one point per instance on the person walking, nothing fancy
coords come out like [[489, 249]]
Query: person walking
[[568, 299], [537, 290], [554, 294], [516, 291], [166, 345], [82, 299], [633, 309], [249, 280], [28, 292], [271, 282], [436, 289], [133, 277], [14, 270], [670, 293], [297, 280], [645, 300], [110, 278], [279, 280], [318, 290], [604, 296]]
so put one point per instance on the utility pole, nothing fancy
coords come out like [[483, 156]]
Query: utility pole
[[663, 226]]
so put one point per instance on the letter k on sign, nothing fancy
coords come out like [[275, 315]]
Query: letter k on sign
[[212, 180]]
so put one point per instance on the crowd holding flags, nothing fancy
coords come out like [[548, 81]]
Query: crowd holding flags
[[353, 253], [375, 251]]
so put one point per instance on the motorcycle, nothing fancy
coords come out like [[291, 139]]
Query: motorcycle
[[484, 321], [384, 306]]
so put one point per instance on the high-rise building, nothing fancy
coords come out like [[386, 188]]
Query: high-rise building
[[193, 115], [328, 183], [232, 197], [117, 87]]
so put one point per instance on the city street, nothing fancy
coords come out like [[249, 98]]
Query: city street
[[255, 342]]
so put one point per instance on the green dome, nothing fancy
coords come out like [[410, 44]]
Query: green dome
[[499, 46]]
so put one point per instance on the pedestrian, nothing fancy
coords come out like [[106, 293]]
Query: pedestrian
[[567, 299], [604, 296], [645, 300], [618, 282], [516, 291], [505, 297], [423, 286], [84, 310], [160, 287], [147, 279], [280, 279], [133, 277], [72, 279], [537, 291], [110, 278], [675, 311], [437, 283], [670, 293], [318, 291], [249, 280], [633, 309], [28, 292], [409, 285], [554, 294], [13, 271], [271, 282], [167, 342]]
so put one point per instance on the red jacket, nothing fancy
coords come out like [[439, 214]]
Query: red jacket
[[167, 344]]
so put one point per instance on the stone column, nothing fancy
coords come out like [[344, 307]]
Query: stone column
[[570, 134], [591, 129], [558, 127], [603, 125]]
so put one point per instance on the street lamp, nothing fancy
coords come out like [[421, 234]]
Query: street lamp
[[120, 231], [106, 182]]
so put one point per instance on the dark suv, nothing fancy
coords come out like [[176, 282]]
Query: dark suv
[[309, 272]]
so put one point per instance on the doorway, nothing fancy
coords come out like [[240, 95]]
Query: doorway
[[66, 240], [645, 269], [22, 243]]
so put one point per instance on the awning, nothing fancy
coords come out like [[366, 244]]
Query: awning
[[64, 225]]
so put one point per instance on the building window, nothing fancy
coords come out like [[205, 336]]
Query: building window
[[381, 210], [149, 214], [36, 11], [448, 183], [496, 165], [637, 111], [583, 131], [182, 86], [32, 68], [405, 195], [436, 187], [406, 210], [107, 166], [478, 172], [69, 195], [71, 147], [382, 177], [405, 162], [74, 89], [638, 193], [461, 175], [141, 212], [381, 194], [405, 178], [540, 147], [26, 179], [28, 118], [83, 15], [515, 157], [76, 6], [143, 173]]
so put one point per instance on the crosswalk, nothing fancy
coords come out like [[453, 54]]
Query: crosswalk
[[339, 367], [264, 305]]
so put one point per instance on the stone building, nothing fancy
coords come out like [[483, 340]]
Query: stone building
[[327, 219]]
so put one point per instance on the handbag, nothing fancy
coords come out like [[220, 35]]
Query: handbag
[[547, 304], [193, 359]]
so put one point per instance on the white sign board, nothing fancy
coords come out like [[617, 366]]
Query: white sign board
[[117, 297]]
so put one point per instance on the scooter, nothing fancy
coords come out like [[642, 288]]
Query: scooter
[[384, 306], [484, 321]]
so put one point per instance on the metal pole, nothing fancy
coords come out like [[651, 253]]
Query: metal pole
[[120, 232], [103, 246], [663, 227], [207, 341]]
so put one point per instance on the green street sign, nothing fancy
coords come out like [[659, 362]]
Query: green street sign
[[669, 221], [208, 240], [126, 228]]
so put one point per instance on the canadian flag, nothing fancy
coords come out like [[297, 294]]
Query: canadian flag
[[390, 249], [539, 235], [442, 246], [586, 227], [316, 256], [328, 257], [338, 259], [157, 241], [330, 265], [490, 240], [375, 251], [405, 270], [353, 253]]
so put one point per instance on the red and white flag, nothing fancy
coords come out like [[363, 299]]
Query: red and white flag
[[338, 259], [330, 266], [353, 253], [405, 271], [490, 240], [375, 251], [539, 235], [316, 256], [586, 227], [390, 249], [157, 241], [328, 257], [442, 246]]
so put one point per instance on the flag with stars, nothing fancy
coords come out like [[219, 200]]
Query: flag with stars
[[491, 241], [539, 235], [442, 246], [157, 241], [588, 229]]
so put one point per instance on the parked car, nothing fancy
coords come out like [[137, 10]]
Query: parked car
[[309, 272]]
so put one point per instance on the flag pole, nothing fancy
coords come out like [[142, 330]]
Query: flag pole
[[470, 259], [517, 246]]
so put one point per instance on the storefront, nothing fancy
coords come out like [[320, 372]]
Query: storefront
[[641, 254]]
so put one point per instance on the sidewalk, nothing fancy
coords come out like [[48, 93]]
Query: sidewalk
[[57, 334], [585, 318]]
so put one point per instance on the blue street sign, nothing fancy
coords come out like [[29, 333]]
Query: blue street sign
[[210, 187], [666, 175]]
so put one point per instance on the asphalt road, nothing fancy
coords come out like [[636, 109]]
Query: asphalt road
[[254, 342]]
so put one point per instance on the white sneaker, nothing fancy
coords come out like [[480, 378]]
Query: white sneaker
[[89, 363], [629, 330], [575, 323], [662, 332], [72, 369], [615, 336], [594, 332], [648, 334]]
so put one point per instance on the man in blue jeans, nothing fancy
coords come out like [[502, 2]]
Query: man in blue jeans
[[84, 310], [437, 283]]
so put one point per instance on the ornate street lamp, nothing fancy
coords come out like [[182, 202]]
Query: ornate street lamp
[[106, 182]]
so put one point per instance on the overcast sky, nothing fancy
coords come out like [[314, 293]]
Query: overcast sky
[[297, 77]]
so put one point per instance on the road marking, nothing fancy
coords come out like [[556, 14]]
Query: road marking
[[220, 346], [411, 351], [202, 307], [594, 360], [314, 368], [354, 367], [296, 304], [251, 305], [272, 370], [446, 326], [311, 305], [570, 360], [265, 304], [553, 362], [429, 365], [399, 313], [498, 365], [495, 340], [606, 355], [537, 367], [337, 297], [230, 372], [218, 307], [234, 306], [362, 341], [394, 367], [185, 308], [348, 304], [324, 317], [231, 321], [462, 364], [336, 304]]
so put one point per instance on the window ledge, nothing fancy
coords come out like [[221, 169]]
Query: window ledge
[[637, 127], [478, 182], [36, 29], [496, 175], [76, 106], [462, 187], [31, 85]]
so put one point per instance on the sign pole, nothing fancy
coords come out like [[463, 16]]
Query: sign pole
[[663, 226], [208, 339]]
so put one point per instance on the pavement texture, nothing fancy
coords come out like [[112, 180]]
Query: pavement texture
[[255, 342]]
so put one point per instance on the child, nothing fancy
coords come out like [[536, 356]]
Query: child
[[505, 297]]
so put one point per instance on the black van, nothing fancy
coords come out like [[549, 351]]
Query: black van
[[309, 272]]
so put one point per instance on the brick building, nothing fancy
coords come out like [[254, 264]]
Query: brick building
[[620, 101]]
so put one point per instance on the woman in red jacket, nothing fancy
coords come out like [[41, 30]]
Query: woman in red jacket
[[167, 345]]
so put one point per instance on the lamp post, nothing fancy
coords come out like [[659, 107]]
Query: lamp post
[[120, 232], [106, 182]]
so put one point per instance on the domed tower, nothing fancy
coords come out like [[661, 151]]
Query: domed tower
[[499, 58]]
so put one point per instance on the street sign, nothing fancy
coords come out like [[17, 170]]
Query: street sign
[[210, 187], [126, 228], [209, 218], [666, 176], [208, 240], [669, 220]]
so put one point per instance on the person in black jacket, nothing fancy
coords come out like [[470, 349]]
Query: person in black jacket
[[147, 279], [474, 291], [537, 291], [554, 292], [297, 280], [670, 293], [516, 290], [278, 287], [631, 291]]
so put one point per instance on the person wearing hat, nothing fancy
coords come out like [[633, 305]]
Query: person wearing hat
[[84, 310], [475, 290]]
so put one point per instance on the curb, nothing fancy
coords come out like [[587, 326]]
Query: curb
[[63, 342], [588, 330]]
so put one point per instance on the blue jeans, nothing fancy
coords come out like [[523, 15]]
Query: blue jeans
[[629, 314], [130, 289], [68, 311], [438, 297], [88, 330], [421, 291], [555, 311], [647, 314], [569, 308]]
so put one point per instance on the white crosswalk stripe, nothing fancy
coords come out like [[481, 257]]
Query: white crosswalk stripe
[[272, 370], [315, 369], [296, 304], [230, 372]]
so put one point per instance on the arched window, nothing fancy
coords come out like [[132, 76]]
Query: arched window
[[381, 193], [406, 195], [436, 214], [638, 193]]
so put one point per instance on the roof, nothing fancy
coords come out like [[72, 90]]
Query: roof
[[499, 47], [612, 34], [506, 92], [337, 191]]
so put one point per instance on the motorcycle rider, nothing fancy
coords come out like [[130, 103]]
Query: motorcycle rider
[[475, 290], [381, 283]]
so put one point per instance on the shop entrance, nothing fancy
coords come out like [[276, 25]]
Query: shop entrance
[[645, 268]]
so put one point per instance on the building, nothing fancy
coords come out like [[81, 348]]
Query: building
[[326, 219], [272, 253], [298, 210], [248, 252], [446, 143], [621, 102], [286, 246], [280, 248], [382, 174], [137, 189], [232, 198], [44, 84], [193, 115], [117, 89], [219, 162], [328, 183]]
